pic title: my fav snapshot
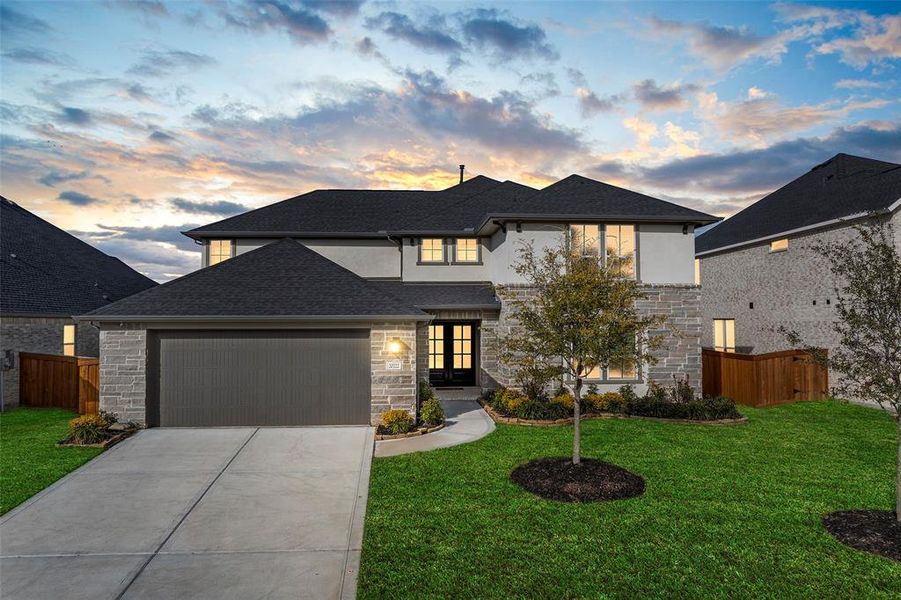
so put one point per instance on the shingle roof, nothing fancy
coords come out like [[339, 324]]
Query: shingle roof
[[843, 186], [283, 279], [443, 295], [46, 271], [577, 195], [460, 208]]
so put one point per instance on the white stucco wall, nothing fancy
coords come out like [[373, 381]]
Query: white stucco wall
[[367, 258], [665, 255]]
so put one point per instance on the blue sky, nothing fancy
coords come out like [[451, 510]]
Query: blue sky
[[128, 122]]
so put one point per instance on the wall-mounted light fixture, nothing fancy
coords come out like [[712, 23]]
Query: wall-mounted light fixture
[[395, 346]]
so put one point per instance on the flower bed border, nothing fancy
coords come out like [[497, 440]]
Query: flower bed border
[[409, 434], [112, 441], [499, 418]]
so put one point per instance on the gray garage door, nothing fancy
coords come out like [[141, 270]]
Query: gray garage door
[[219, 378]]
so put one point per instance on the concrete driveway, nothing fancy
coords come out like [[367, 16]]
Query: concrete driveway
[[198, 513]]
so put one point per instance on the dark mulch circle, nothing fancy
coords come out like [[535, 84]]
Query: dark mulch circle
[[874, 531], [559, 479]]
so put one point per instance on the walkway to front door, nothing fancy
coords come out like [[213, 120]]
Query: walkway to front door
[[452, 353]]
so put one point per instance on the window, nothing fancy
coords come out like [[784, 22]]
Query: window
[[697, 271], [431, 250], [467, 250], [623, 370], [584, 240], [220, 250], [436, 346], [462, 346], [779, 245], [620, 243], [69, 340], [724, 335]]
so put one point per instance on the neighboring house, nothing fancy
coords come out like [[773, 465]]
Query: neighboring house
[[328, 307], [46, 277], [758, 270]]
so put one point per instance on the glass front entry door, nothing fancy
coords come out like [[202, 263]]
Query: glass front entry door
[[452, 354]]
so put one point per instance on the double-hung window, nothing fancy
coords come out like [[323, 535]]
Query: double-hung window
[[220, 250], [431, 250], [466, 250], [724, 335], [584, 240], [69, 340], [620, 247]]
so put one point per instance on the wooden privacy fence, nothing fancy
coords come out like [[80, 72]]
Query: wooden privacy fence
[[70, 382], [763, 379]]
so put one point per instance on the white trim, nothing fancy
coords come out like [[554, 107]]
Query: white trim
[[892, 207]]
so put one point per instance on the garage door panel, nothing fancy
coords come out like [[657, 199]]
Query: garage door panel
[[263, 378]]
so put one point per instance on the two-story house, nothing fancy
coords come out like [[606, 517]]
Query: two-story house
[[759, 269], [327, 308], [46, 277]]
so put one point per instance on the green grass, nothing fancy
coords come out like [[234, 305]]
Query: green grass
[[29, 458], [728, 512]]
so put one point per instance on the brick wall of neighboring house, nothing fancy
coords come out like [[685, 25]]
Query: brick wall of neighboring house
[[680, 354], [782, 286], [123, 372], [393, 389], [43, 335], [123, 369]]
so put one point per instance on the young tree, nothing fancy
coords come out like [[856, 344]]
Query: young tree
[[867, 270], [582, 316]]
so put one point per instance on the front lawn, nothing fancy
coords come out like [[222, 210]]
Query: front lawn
[[29, 458], [729, 511]]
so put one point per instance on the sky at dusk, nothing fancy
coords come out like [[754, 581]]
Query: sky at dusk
[[127, 123]]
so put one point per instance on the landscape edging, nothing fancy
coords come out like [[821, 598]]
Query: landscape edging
[[409, 434], [498, 418]]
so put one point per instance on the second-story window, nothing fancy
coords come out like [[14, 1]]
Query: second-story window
[[466, 250], [584, 240], [220, 250], [431, 250], [620, 245]]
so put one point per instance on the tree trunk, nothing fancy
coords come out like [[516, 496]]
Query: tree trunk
[[898, 476], [577, 424]]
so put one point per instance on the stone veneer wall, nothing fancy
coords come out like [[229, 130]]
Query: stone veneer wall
[[123, 372], [393, 389], [487, 359], [43, 335], [680, 354]]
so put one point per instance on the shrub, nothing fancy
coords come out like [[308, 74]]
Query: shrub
[[566, 400], [703, 409], [534, 376], [627, 393], [606, 402], [431, 412], [614, 402], [510, 399], [426, 391], [535, 409], [109, 417], [682, 390], [397, 421], [591, 389], [88, 429]]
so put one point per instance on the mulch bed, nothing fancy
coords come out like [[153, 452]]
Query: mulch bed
[[874, 531], [110, 441], [559, 479]]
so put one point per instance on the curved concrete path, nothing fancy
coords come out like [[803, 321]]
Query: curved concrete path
[[466, 422]]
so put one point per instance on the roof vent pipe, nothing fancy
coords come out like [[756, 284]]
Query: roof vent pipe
[[462, 167]]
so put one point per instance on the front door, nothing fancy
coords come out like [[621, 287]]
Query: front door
[[452, 355]]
